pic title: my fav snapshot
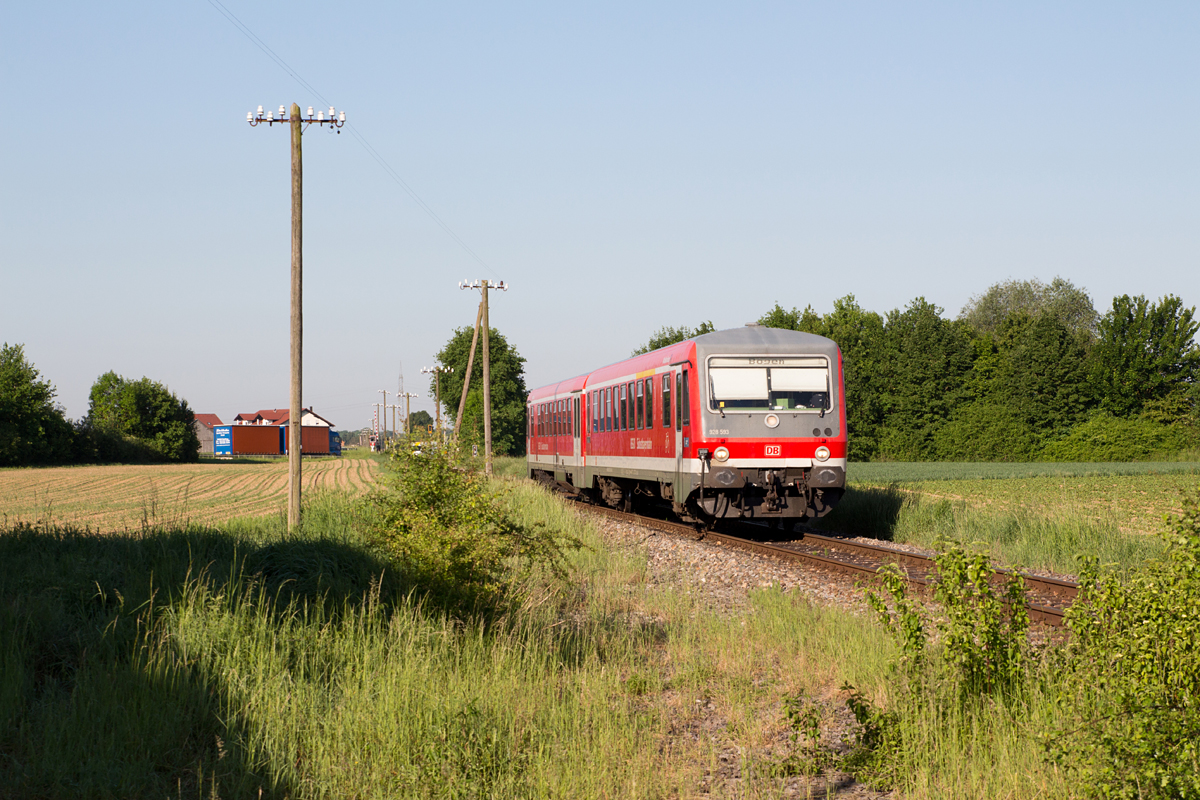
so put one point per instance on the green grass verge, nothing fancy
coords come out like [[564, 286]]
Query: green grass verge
[[884, 472], [227, 661], [1031, 537]]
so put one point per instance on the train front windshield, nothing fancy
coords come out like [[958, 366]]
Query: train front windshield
[[768, 384]]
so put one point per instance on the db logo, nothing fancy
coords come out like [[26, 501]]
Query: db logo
[[771, 450]]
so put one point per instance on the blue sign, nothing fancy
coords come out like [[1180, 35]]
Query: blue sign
[[223, 440]]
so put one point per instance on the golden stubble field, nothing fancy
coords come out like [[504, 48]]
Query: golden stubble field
[[121, 497]]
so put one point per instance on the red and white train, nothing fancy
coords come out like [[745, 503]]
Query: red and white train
[[744, 423]]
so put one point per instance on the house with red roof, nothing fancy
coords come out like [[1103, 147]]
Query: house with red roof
[[204, 425]]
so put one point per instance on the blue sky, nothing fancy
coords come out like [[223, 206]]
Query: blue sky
[[623, 166]]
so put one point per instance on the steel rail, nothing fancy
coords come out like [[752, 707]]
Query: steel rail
[[1042, 584], [1038, 612]]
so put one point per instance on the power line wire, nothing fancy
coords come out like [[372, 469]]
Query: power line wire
[[362, 140]]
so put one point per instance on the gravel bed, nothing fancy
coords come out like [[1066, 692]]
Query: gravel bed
[[725, 575]]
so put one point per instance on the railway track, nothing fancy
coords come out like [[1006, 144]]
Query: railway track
[[1048, 597]]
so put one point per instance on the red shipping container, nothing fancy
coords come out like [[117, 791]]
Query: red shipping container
[[258, 440], [314, 441]]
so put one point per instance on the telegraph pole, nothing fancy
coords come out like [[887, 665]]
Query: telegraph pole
[[295, 409], [385, 415], [407, 417], [484, 285], [437, 371]]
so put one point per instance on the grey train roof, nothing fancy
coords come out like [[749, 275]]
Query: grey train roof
[[759, 339]]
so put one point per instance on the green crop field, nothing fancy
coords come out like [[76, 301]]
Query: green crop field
[[1132, 496]]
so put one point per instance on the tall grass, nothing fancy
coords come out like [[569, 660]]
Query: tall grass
[[1032, 537], [885, 472], [226, 661]]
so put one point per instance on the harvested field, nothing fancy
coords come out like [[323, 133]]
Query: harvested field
[[123, 497]]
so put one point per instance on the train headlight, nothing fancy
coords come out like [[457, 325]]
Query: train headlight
[[772, 420], [822, 453], [721, 454]]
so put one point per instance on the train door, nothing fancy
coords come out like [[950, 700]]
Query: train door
[[576, 425], [556, 423], [677, 433]]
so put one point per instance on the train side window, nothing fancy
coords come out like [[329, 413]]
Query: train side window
[[687, 406], [607, 409], [538, 421], [666, 399], [631, 404], [622, 404], [558, 418], [575, 414], [649, 403], [641, 406], [571, 417]]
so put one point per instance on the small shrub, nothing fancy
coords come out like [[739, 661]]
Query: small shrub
[[809, 756], [453, 532], [1131, 686], [979, 651]]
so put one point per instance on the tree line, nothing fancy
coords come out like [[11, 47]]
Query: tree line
[[1027, 371], [128, 421]]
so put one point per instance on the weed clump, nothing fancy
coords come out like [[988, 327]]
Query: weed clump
[[1130, 690], [454, 535], [974, 658]]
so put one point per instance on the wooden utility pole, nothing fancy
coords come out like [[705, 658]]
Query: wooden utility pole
[[484, 285], [294, 401], [385, 415], [295, 408], [487, 390], [467, 378], [437, 371]]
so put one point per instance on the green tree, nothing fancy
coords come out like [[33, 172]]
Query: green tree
[[667, 335], [860, 335], [1146, 354], [33, 429], [421, 419], [923, 368], [144, 411], [807, 320], [508, 390], [1042, 373], [1069, 304]]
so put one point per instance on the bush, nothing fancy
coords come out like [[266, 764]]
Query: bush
[[986, 432], [976, 650], [454, 534], [143, 410], [1108, 438], [1131, 685]]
